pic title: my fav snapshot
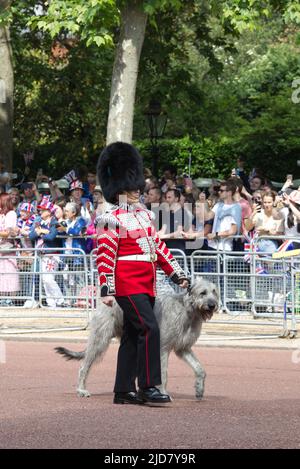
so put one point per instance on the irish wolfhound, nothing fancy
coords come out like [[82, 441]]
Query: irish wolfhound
[[180, 318]]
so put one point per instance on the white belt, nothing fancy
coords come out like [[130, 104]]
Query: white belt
[[139, 257]]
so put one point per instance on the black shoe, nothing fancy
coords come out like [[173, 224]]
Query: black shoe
[[127, 398], [153, 395]]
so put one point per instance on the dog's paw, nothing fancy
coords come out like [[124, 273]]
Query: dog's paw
[[199, 390], [83, 393]]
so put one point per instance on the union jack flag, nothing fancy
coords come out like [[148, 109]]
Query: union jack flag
[[260, 270], [71, 176], [249, 246], [51, 265], [287, 245]]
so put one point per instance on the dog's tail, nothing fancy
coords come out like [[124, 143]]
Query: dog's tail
[[69, 354]]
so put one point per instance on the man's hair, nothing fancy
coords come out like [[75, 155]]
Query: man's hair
[[230, 185], [258, 176], [176, 193], [156, 189], [237, 182]]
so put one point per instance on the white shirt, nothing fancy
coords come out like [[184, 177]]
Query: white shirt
[[223, 244]]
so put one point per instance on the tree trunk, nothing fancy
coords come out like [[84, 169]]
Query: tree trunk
[[6, 95], [125, 72]]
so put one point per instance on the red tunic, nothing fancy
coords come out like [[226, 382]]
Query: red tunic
[[128, 230]]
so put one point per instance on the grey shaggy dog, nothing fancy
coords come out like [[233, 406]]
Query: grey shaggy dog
[[180, 318]]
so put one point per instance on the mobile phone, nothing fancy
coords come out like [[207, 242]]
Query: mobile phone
[[289, 177], [258, 204]]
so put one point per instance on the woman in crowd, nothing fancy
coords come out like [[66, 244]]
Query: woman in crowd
[[77, 196], [291, 213], [15, 198], [99, 204], [201, 225], [44, 234], [266, 220], [74, 228], [9, 276]]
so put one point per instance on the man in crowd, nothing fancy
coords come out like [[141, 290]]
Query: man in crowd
[[175, 220], [31, 194], [227, 219], [245, 205], [154, 197]]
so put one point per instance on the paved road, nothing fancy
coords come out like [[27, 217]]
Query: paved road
[[252, 401]]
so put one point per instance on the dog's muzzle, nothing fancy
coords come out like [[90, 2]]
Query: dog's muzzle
[[209, 309]]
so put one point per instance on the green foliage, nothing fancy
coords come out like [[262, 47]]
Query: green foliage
[[60, 103], [248, 107], [209, 158], [91, 20], [222, 70]]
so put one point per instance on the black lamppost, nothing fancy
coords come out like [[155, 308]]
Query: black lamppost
[[157, 121]]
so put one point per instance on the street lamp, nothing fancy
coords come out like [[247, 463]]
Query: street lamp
[[157, 121]]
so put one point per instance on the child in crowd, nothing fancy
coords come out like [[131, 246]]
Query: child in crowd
[[24, 223]]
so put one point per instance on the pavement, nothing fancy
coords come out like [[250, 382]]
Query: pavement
[[241, 331], [251, 393], [251, 401]]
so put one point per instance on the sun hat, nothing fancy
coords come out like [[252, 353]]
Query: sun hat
[[76, 185], [27, 207], [45, 204]]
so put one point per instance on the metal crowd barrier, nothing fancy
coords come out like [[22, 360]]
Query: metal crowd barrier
[[66, 285], [49, 279]]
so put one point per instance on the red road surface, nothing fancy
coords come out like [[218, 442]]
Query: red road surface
[[252, 400]]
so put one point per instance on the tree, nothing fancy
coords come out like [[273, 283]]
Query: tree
[[95, 21], [125, 72], [6, 90], [185, 43]]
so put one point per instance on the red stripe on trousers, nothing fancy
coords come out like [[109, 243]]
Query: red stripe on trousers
[[147, 352]]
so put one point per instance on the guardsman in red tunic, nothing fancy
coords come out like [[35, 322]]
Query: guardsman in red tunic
[[129, 251]]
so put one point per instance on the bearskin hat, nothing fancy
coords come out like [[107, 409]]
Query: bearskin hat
[[120, 169]]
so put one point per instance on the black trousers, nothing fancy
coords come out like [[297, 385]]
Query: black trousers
[[139, 352]]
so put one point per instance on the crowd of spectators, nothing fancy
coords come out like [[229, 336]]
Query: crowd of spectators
[[46, 218], [224, 216]]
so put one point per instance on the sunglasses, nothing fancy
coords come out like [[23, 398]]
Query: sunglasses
[[222, 190]]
